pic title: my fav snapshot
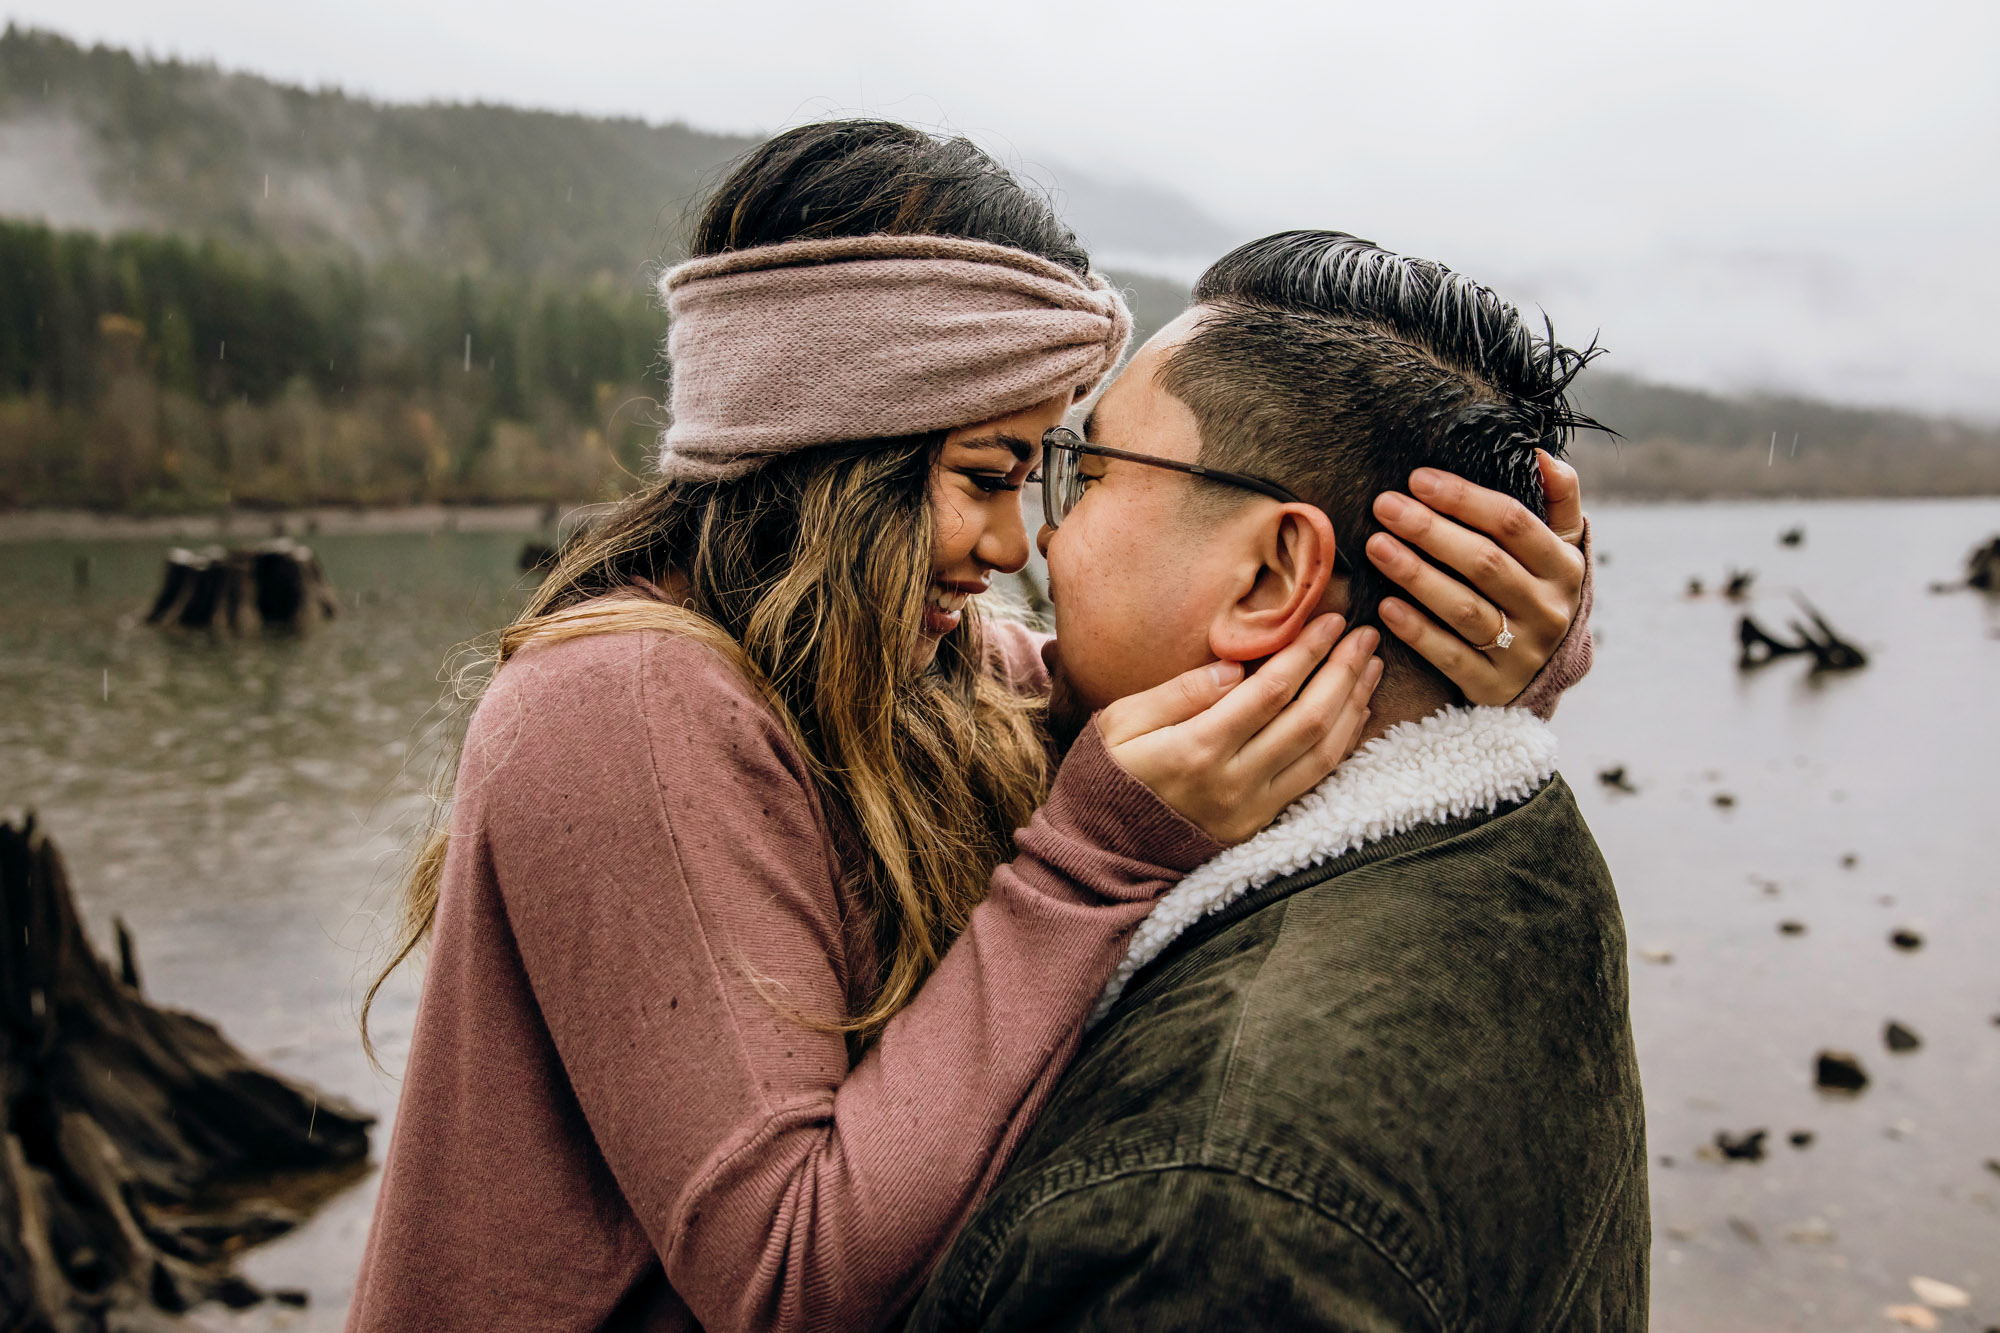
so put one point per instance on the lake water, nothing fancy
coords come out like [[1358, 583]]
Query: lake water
[[242, 805]]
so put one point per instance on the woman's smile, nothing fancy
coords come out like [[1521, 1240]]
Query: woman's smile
[[944, 605]]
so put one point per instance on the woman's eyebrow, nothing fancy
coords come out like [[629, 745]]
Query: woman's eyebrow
[[1022, 449]]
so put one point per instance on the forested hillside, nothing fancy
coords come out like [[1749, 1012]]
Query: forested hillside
[[222, 290], [191, 149], [148, 372]]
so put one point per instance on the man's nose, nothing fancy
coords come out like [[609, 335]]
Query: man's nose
[[1042, 540]]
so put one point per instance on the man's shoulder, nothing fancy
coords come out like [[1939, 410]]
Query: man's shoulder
[[1369, 1045]]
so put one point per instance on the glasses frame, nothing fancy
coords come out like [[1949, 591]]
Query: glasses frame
[[1067, 440]]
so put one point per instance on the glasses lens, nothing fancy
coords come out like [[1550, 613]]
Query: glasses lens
[[1059, 480]]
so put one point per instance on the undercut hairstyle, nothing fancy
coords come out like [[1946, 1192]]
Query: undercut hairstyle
[[1336, 368]]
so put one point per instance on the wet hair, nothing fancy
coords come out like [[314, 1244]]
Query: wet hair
[[1336, 368], [810, 573]]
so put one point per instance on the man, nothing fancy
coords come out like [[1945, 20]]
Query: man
[[1373, 1068]]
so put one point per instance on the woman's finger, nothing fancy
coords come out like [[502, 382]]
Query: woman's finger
[[1479, 677], [1312, 768], [1475, 617], [1246, 710], [1168, 703], [1564, 492], [1503, 518], [1307, 721]]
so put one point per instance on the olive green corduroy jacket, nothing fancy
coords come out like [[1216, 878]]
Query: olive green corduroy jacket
[[1395, 1091]]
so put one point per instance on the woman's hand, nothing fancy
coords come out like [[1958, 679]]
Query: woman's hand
[[1516, 564], [1229, 752]]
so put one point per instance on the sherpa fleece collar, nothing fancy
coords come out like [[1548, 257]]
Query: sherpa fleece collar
[[1454, 763]]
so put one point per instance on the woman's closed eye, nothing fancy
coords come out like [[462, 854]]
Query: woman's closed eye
[[993, 483]]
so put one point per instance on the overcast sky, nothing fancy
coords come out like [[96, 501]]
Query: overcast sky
[[1786, 195]]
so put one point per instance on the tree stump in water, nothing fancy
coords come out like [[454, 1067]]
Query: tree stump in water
[[278, 582], [139, 1149], [1982, 567]]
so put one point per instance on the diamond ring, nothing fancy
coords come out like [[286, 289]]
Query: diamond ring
[[1504, 639]]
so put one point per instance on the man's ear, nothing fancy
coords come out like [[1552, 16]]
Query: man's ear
[[1293, 561]]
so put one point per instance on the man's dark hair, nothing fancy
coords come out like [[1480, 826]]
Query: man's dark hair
[[1336, 368]]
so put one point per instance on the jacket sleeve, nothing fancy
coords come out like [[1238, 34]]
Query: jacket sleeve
[[1175, 1250], [1570, 662], [668, 880]]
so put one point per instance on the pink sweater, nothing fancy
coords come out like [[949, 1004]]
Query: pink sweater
[[608, 1123]]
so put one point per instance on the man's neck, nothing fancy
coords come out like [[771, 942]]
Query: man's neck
[[1402, 697]]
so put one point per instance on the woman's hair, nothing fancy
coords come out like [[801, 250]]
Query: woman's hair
[[810, 576]]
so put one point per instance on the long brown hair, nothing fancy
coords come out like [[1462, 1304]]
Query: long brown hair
[[810, 573]]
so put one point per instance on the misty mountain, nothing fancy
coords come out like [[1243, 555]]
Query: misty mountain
[[101, 139]]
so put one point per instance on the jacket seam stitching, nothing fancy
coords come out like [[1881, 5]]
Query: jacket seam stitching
[[1420, 1287], [1586, 1253], [1214, 1117]]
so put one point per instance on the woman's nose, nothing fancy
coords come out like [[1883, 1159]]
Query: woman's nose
[[1004, 544]]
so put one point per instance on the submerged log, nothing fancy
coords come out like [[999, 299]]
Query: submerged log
[[1758, 647], [139, 1150], [278, 582], [1982, 567]]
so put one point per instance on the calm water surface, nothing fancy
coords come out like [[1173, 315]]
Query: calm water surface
[[242, 805]]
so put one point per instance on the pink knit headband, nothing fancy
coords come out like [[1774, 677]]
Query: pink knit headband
[[785, 347]]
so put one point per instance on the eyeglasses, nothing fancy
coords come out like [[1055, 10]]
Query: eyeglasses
[[1061, 473], [1061, 477]]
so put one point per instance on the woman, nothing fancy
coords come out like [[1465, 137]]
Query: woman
[[750, 774]]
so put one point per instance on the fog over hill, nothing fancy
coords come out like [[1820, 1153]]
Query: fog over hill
[[101, 140]]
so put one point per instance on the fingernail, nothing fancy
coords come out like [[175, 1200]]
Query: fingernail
[[1392, 611], [1391, 505], [1370, 638], [1225, 674], [1425, 481]]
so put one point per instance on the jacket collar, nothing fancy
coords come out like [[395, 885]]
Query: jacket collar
[[1456, 762]]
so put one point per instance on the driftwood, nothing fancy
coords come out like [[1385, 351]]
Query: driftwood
[[277, 582], [1759, 647], [139, 1150], [1982, 570], [1982, 567]]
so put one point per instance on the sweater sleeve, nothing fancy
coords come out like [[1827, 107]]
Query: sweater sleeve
[[1571, 659], [669, 882], [1015, 651]]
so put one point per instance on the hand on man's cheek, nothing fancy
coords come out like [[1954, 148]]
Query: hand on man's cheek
[[1128, 606]]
